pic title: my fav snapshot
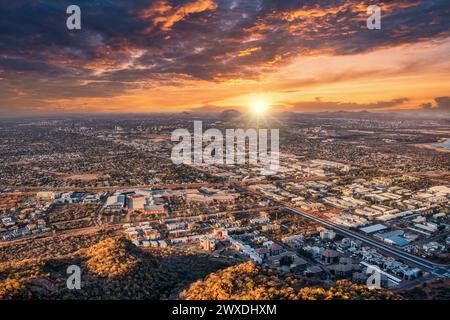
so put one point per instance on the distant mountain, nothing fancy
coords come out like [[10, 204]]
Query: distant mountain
[[229, 115]]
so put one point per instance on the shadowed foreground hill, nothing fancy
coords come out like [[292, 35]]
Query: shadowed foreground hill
[[250, 281], [115, 269], [436, 289]]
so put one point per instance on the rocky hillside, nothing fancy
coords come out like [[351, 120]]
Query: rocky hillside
[[250, 281], [112, 269]]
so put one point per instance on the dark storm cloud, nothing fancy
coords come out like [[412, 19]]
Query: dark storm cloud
[[137, 43], [442, 104]]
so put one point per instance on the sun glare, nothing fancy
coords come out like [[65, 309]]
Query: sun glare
[[259, 107]]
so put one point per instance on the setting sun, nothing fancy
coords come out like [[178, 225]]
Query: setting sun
[[259, 106]]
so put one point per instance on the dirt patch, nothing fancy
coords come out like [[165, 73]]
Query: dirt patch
[[84, 177]]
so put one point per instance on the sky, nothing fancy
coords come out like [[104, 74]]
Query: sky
[[214, 55]]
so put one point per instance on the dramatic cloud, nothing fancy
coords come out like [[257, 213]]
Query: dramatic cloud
[[171, 16], [442, 105], [318, 105], [131, 46]]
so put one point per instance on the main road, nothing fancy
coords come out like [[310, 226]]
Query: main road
[[434, 268]]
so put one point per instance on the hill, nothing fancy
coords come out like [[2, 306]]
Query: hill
[[249, 281], [229, 115], [111, 269]]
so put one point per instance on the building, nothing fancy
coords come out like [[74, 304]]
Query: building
[[151, 234], [208, 244], [327, 235], [136, 202], [221, 234], [275, 249], [270, 227], [373, 228], [245, 249], [262, 252], [313, 271], [154, 209], [329, 256], [48, 195], [363, 278], [393, 238], [341, 270]]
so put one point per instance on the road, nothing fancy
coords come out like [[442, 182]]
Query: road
[[433, 268], [429, 266], [114, 188]]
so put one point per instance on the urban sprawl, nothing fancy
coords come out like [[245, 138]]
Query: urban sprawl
[[349, 194]]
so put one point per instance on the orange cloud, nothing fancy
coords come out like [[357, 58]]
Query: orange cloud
[[157, 8], [248, 52], [171, 16], [277, 59], [314, 12]]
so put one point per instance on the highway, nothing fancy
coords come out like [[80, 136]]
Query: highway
[[436, 269], [433, 268], [411, 258]]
